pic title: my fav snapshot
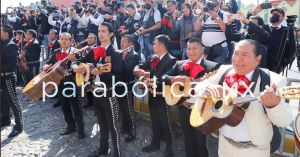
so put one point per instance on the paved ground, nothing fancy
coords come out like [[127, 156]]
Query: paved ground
[[44, 123]]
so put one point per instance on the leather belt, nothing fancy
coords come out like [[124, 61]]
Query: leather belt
[[157, 93], [188, 105], [241, 145], [33, 62], [7, 73]]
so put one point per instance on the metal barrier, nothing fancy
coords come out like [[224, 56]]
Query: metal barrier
[[43, 56], [287, 146]]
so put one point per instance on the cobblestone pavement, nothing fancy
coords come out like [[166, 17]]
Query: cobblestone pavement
[[43, 124]]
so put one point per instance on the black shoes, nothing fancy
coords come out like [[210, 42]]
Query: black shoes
[[150, 148], [68, 131], [15, 133], [81, 136], [87, 106], [97, 153], [56, 105], [5, 124], [168, 153], [129, 138]]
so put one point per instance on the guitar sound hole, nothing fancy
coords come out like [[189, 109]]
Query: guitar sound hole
[[218, 104]]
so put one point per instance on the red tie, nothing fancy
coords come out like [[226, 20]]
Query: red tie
[[235, 78], [61, 56], [124, 55], [99, 52], [51, 45], [27, 43], [154, 62], [194, 68]]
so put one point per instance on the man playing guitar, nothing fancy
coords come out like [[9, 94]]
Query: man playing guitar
[[252, 136], [194, 67], [69, 105]]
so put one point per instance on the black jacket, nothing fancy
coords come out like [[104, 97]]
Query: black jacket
[[32, 51], [253, 32], [165, 64], [9, 54], [128, 64], [177, 69], [116, 61], [56, 46]]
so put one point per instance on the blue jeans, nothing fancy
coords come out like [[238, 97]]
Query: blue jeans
[[176, 53], [148, 49]]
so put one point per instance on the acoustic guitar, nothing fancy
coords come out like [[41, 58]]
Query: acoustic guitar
[[55, 73], [176, 94], [297, 132], [209, 114]]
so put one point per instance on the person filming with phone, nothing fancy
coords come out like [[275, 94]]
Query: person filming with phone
[[253, 30]]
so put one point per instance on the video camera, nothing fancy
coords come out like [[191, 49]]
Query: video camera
[[210, 5]]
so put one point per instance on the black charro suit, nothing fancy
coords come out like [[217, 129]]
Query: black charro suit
[[106, 107], [9, 55], [32, 55], [71, 108], [159, 111], [195, 142], [130, 60]]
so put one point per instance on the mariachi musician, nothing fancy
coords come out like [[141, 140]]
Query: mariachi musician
[[19, 40], [90, 43], [105, 102], [157, 65], [9, 98], [194, 67], [71, 109], [130, 60], [253, 135], [54, 43], [32, 50]]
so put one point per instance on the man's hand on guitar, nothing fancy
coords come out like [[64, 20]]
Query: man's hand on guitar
[[138, 72], [95, 72], [269, 98], [180, 78], [71, 57], [46, 67], [79, 69]]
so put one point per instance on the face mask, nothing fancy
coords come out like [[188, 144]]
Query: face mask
[[147, 6], [274, 18]]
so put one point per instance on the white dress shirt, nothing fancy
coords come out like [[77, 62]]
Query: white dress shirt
[[240, 132]]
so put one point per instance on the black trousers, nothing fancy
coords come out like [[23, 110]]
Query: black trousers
[[71, 108], [194, 141], [107, 109], [127, 112], [9, 100], [161, 125], [33, 71], [20, 77]]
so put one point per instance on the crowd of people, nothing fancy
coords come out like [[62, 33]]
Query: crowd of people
[[174, 41]]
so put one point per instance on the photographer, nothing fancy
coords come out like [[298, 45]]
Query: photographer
[[254, 31], [14, 20], [62, 25], [94, 19], [281, 43], [33, 20], [150, 28], [166, 27], [185, 25], [44, 27], [82, 21], [213, 32]]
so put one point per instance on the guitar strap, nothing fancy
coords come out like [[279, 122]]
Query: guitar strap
[[253, 79]]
